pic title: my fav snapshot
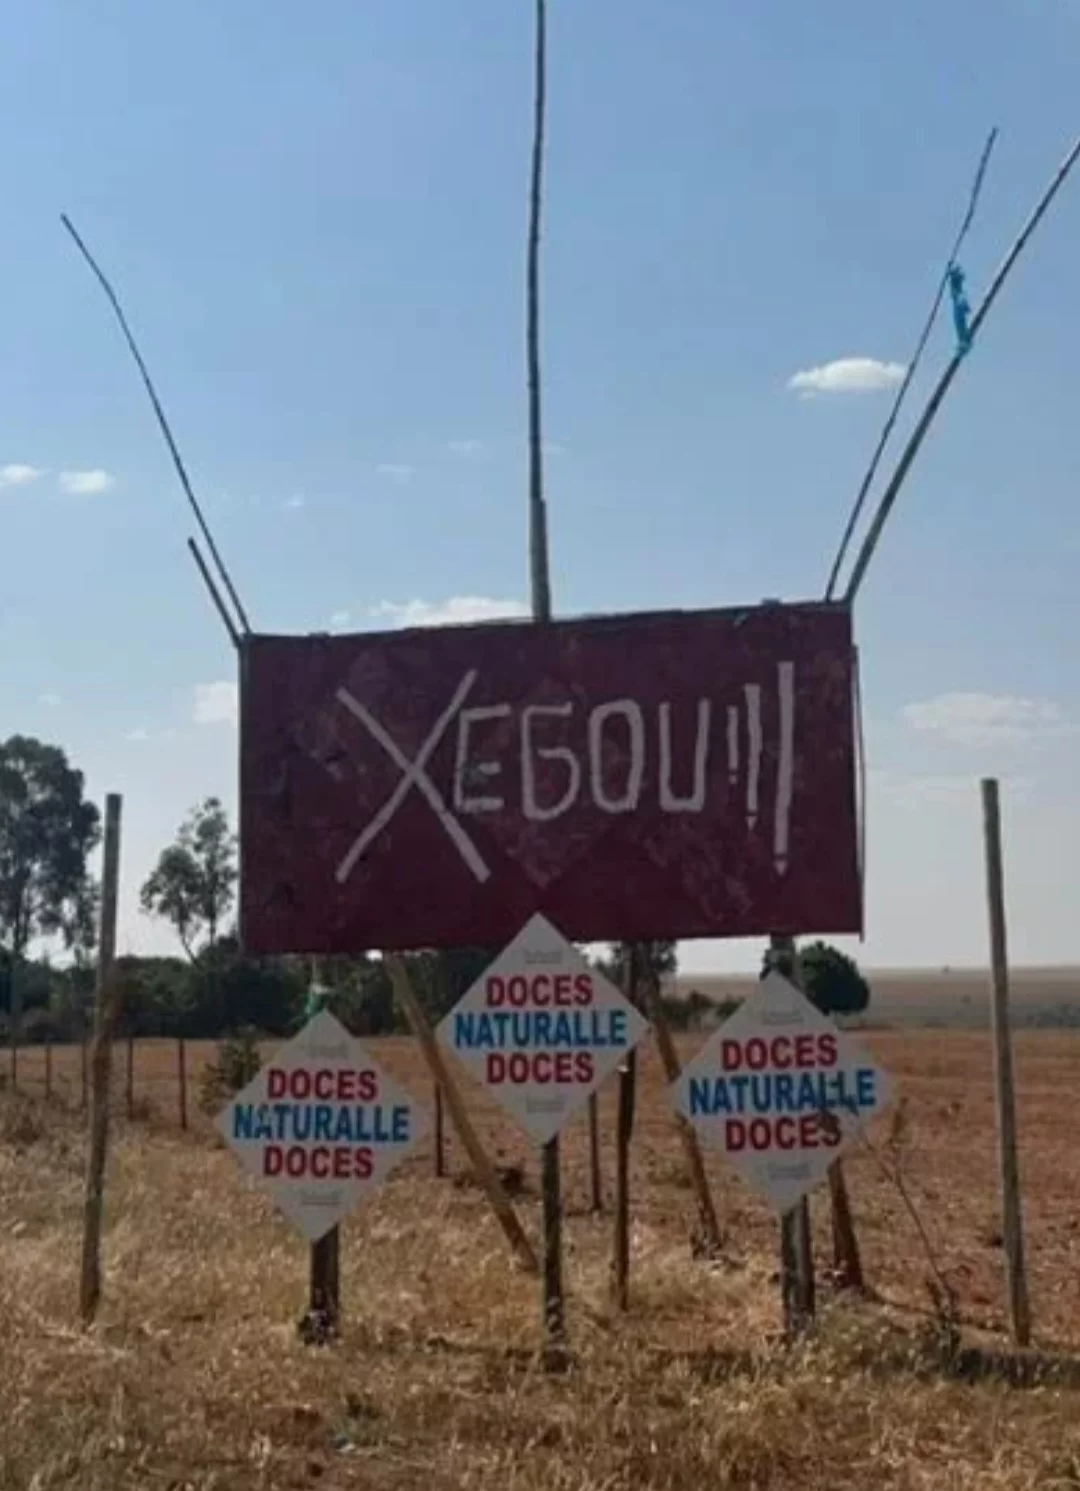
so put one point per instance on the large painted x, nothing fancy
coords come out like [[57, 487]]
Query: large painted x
[[413, 775]]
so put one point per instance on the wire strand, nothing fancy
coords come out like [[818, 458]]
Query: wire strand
[[912, 367]]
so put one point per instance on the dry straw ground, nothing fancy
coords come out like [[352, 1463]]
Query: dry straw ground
[[194, 1377]]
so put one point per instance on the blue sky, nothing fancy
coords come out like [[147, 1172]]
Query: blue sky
[[316, 221]]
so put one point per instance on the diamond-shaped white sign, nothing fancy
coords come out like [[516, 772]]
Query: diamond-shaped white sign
[[541, 1029], [321, 1125], [782, 1090]]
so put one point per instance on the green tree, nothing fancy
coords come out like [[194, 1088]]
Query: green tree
[[832, 981], [47, 832], [193, 885]]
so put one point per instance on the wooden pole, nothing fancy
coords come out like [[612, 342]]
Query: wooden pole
[[322, 1322], [1016, 1277], [440, 1141], [485, 1173], [711, 1237], [48, 1068], [181, 1078], [129, 1079], [847, 1262], [796, 1242], [84, 1076], [14, 1020], [106, 1010], [596, 1179], [620, 1269]]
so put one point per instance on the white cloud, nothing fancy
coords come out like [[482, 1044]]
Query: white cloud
[[469, 450], [459, 610], [18, 475], [848, 375], [397, 471], [50, 701], [140, 734], [981, 719], [216, 703], [340, 619], [85, 483]]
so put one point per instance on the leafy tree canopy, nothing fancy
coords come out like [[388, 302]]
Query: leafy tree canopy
[[193, 886], [47, 831], [832, 980]]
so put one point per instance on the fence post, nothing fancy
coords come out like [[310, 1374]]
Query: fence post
[[83, 1074], [1016, 1277], [595, 1177], [48, 1068], [181, 1077], [129, 1081], [620, 1279], [105, 1013]]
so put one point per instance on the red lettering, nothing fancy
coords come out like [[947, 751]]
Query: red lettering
[[781, 1052], [564, 1067], [517, 990], [343, 1167], [276, 1081], [541, 989], [367, 1086], [495, 990], [809, 1131], [583, 989], [324, 1084], [804, 1051], [760, 1133], [320, 1162], [295, 1161], [785, 1133], [827, 1052], [731, 1056], [757, 1053], [734, 1132], [363, 1164], [584, 1066], [542, 1067], [273, 1159]]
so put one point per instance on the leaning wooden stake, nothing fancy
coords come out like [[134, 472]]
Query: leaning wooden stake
[[1016, 1277], [440, 1140], [485, 1173], [710, 1239], [106, 1012], [847, 1261]]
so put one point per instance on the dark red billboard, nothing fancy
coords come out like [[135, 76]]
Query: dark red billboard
[[674, 774]]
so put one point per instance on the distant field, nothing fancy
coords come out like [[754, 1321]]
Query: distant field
[[941, 997]]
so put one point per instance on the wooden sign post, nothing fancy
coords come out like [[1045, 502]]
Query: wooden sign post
[[542, 1030], [1012, 1223]]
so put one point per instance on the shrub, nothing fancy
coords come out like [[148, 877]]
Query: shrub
[[236, 1063]]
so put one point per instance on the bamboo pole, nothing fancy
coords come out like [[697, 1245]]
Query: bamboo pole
[[712, 1238], [485, 1173]]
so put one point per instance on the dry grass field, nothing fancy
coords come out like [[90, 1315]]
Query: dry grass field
[[194, 1377]]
